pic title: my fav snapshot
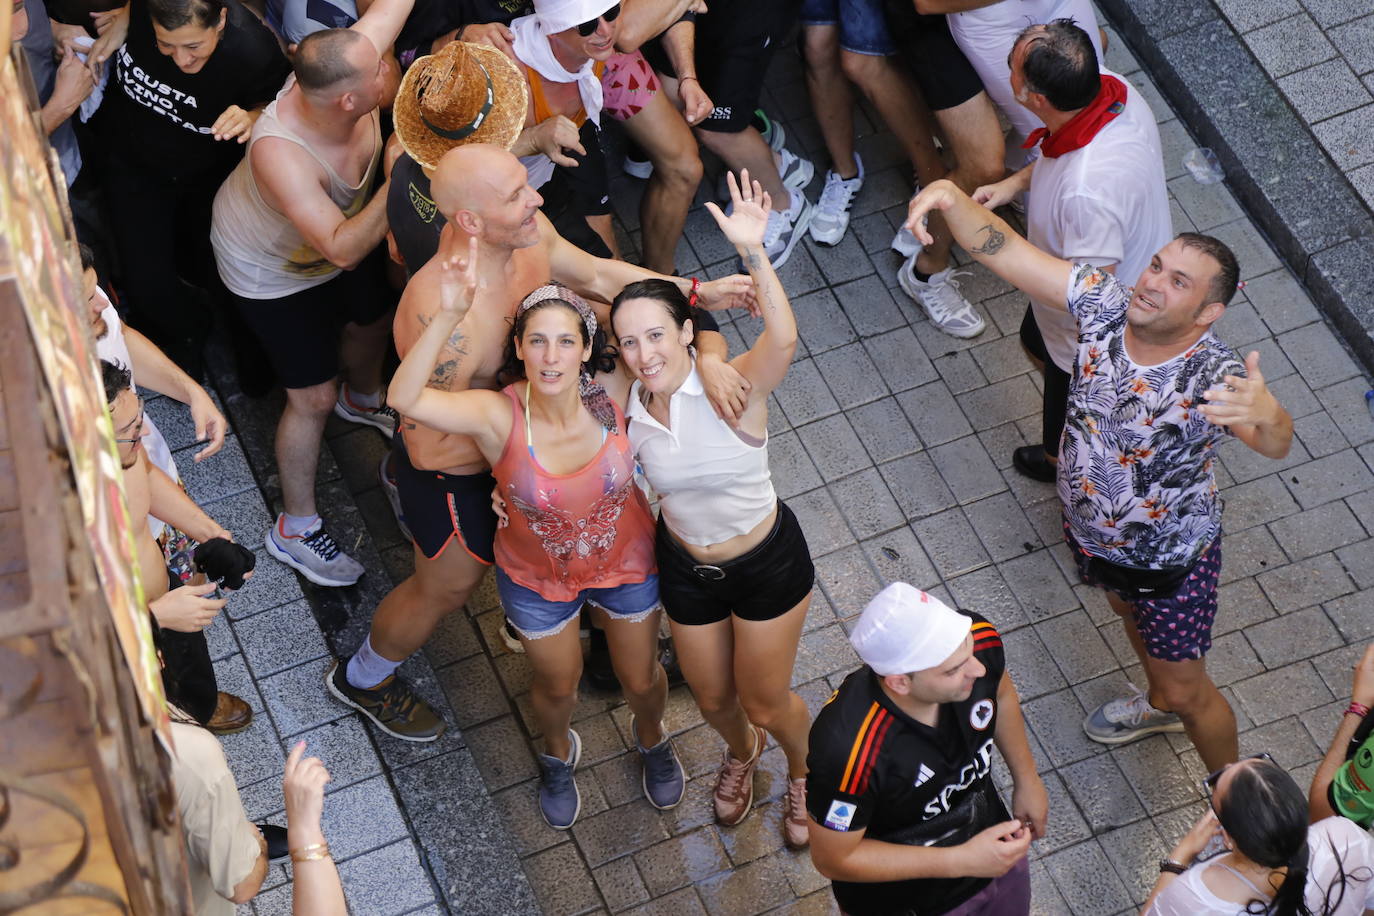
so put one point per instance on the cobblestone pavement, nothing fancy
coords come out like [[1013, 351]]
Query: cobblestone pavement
[[1321, 55], [892, 443]]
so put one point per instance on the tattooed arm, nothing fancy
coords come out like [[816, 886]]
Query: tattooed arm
[[766, 362], [420, 389], [991, 241]]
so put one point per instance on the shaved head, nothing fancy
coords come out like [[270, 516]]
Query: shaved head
[[324, 60], [469, 176]]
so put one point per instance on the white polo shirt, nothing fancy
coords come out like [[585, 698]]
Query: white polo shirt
[[1103, 204]]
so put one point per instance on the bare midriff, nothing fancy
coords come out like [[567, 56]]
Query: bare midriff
[[725, 551]]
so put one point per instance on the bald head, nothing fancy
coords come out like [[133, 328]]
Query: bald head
[[470, 177]]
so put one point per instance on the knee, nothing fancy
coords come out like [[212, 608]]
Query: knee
[[820, 47], [683, 169], [713, 704], [861, 68], [639, 682], [984, 166], [765, 712], [556, 689], [316, 401], [1186, 697]]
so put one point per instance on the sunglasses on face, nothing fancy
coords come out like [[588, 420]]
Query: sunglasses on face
[[587, 28], [1209, 784]]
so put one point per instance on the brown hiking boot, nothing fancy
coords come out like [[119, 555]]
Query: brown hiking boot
[[231, 715], [795, 833], [392, 705], [735, 783]]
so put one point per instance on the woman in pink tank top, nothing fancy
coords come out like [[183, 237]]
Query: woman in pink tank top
[[579, 527]]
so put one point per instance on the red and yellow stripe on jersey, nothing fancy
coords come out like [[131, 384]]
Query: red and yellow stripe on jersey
[[985, 636], [864, 753]]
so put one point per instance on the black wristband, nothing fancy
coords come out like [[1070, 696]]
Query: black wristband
[[1172, 867]]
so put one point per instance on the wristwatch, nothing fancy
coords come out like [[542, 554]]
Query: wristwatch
[[1169, 865]]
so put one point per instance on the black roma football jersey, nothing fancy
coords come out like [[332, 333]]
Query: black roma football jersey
[[874, 768]]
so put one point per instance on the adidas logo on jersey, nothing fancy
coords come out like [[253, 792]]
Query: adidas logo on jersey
[[923, 775]]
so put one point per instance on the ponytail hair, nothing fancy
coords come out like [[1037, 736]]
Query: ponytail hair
[[1265, 814]]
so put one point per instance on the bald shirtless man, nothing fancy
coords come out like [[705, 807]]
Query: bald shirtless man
[[445, 485], [188, 609]]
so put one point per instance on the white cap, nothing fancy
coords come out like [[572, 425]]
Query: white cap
[[904, 630], [560, 15]]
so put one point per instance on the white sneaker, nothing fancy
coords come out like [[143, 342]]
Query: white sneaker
[[832, 210], [785, 229], [940, 297]]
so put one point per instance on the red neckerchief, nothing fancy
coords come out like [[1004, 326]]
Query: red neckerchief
[[1082, 127]]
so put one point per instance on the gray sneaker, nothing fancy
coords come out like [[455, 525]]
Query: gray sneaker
[[664, 781], [314, 555], [785, 230], [559, 800], [796, 173], [1129, 718], [940, 297]]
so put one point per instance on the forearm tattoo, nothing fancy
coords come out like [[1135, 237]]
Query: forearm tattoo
[[994, 243]]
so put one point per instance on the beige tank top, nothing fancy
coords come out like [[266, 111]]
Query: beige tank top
[[261, 254]]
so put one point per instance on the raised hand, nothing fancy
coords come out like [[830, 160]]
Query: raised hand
[[302, 784], [745, 225], [938, 195], [458, 281], [1241, 401]]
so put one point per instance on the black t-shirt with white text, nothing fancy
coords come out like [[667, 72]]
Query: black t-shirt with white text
[[156, 116], [874, 768]]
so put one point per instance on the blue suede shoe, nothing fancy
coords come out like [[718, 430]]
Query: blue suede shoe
[[559, 800], [664, 781]]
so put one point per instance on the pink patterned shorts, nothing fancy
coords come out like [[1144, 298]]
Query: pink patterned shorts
[[627, 85]]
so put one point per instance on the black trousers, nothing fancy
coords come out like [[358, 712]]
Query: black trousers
[[1056, 394], [160, 229], [188, 675]]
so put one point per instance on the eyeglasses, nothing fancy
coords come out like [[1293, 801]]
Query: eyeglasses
[[1209, 784], [136, 426], [587, 28]]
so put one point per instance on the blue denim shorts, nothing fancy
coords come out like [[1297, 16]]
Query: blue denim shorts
[[863, 26], [535, 616]]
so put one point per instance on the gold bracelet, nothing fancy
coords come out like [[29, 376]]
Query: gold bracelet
[[312, 853]]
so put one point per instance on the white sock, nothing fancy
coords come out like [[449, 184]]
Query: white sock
[[367, 669], [293, 526], [358, 399]]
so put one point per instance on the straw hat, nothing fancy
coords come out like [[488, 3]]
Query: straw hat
[[466, 93]]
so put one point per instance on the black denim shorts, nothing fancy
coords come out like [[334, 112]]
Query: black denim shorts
[[762, 584]]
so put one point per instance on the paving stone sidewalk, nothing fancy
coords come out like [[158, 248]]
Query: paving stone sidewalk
[[1321, 55], [892, 443]]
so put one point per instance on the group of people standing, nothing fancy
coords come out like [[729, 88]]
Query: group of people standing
[[548, 390]]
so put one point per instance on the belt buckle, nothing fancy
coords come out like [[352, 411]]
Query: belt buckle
[[710, 573]]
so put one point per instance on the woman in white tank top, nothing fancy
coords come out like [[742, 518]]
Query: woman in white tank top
[[734, 570]]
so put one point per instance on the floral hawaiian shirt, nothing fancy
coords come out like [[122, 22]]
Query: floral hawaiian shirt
[[1136, 463]]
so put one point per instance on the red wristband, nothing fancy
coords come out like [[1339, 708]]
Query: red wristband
[[1358, 709], [694, 295]]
